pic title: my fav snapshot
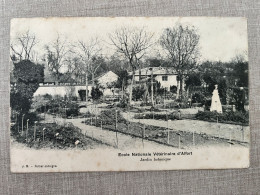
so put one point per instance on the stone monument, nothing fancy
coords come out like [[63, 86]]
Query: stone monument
[[215, 101]]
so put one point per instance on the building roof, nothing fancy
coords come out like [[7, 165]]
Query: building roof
[[106, 78], [156, 71]]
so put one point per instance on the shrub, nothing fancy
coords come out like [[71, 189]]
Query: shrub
[[196, 104], [32, 116], [122, 103], [158, 116], [82, 94], [198, 98], [146, 104], [96, 93], [47, 96], [109, 117], [138, 92], [66, 108], [72, 109], [173, 89]]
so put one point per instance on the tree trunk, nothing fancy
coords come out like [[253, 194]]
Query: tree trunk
[[145, 92], [86, 89], [181, 87], [140, 76], [92, 79], [131, 87], [188, 92], [123, 88], [152, 88], [178, 90]]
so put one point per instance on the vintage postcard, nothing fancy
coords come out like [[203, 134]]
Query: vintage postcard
[[128, 94]]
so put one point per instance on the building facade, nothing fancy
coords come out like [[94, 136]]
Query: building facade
[[166, 76]]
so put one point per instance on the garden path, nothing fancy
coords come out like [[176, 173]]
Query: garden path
[[109, 137]]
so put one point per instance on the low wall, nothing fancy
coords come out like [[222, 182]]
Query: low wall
[[66, 90]]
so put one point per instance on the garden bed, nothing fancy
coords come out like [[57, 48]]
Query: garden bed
[[180, 139], [54, 136]]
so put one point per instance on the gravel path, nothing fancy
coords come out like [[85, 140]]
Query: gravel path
[[117, 140], [222, 130]]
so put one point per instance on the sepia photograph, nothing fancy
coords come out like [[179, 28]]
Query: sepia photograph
[[128, 94]]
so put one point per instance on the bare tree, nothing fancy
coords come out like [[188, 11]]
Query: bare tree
[[95, 63], [56, 54], [86, 52], [131, 43], [22, 47], [73, 68], [182, 47]]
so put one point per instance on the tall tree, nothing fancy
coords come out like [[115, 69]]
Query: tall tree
[[86, 52], [181, 44], [28, 76], [56, 53], [132, 44], [94, 65], [22, 47], [73, 69]]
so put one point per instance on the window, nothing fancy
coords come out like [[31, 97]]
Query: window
[[165, 78]]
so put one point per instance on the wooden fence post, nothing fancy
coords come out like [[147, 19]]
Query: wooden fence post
[[43, 131], [168, 141], [116, 130], [128, 121], [179, 141], [27, 128], [193, 138], [34, 132], [243, 135], [22, 124]]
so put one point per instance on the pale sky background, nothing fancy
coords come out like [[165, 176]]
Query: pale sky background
[[221, 39]]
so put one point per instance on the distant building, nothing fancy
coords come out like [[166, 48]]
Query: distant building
[[69, 86], [165, 75], [107, 79]]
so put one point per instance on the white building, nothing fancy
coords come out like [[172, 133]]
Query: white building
[[107, 79], [166, 76], [53, 88]]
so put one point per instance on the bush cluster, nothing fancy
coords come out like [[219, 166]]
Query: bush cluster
[[59, 106], [108, 117], [159, 116], [174, 105], [122, 103]]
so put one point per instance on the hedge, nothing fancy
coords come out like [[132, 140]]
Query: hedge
[[226, 117]]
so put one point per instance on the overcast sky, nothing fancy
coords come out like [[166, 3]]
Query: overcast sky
[[220, 38]]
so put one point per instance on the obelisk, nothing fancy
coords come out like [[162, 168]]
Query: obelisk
[[215, 101]]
